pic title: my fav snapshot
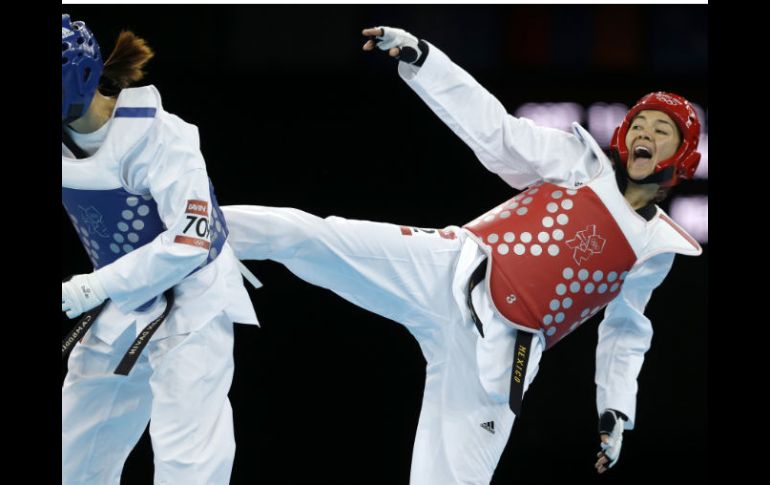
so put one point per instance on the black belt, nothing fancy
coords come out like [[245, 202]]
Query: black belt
[[131, 356], [476, 277], [521, 351], [521, 348], [79, 330]]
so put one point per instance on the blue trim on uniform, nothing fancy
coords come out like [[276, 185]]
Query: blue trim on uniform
[[135, 113]]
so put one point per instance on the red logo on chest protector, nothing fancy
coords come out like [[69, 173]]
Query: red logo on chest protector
[[585, 244]]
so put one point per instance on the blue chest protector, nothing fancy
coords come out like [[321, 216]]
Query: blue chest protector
[[111, 223]]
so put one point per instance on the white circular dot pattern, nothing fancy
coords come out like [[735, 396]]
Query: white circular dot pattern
[[127, 214], [133, 237], [602, 288], [554, 305], [574, 290], [123, 226], [118, 237], [132, 201], [138, 224]]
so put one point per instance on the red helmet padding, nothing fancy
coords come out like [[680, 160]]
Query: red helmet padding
[[686, 158]]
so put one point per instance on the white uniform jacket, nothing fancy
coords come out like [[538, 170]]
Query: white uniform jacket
[[523, 154], [158, 156]]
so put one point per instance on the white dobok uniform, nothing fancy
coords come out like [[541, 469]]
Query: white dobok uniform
[[571, 217], [142, 203]]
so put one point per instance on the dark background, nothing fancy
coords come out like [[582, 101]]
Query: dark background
[[292, 113]]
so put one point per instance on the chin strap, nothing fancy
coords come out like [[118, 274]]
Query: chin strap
[[70, 143], [659, 178]]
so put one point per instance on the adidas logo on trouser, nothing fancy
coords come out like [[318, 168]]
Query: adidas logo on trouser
[[489, 426]]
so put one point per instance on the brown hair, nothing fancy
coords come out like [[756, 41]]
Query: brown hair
[[124, 66]]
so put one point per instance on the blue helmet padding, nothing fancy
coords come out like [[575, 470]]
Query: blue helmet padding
[[81, 68]]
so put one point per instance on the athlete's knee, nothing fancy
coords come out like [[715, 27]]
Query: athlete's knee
[[293, 229]]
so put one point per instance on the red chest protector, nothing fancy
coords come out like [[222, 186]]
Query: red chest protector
[[557, 257]]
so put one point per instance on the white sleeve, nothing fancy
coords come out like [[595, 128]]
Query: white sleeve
[[624, 337], [177, 180], [520, 152]]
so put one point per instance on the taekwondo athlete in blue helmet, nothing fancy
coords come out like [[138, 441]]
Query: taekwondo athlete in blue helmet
[[165, 287]]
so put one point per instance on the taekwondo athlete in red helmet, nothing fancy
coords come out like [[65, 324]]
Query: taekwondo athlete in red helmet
[[486, 299], [135, 186], [584, 234]]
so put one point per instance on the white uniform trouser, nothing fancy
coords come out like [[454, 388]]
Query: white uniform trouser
[[410, 279], [180, 383]]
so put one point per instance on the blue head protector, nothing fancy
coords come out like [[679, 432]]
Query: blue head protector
[[81, 68]]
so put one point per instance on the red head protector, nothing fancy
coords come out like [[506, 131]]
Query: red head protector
[[684, 162]]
